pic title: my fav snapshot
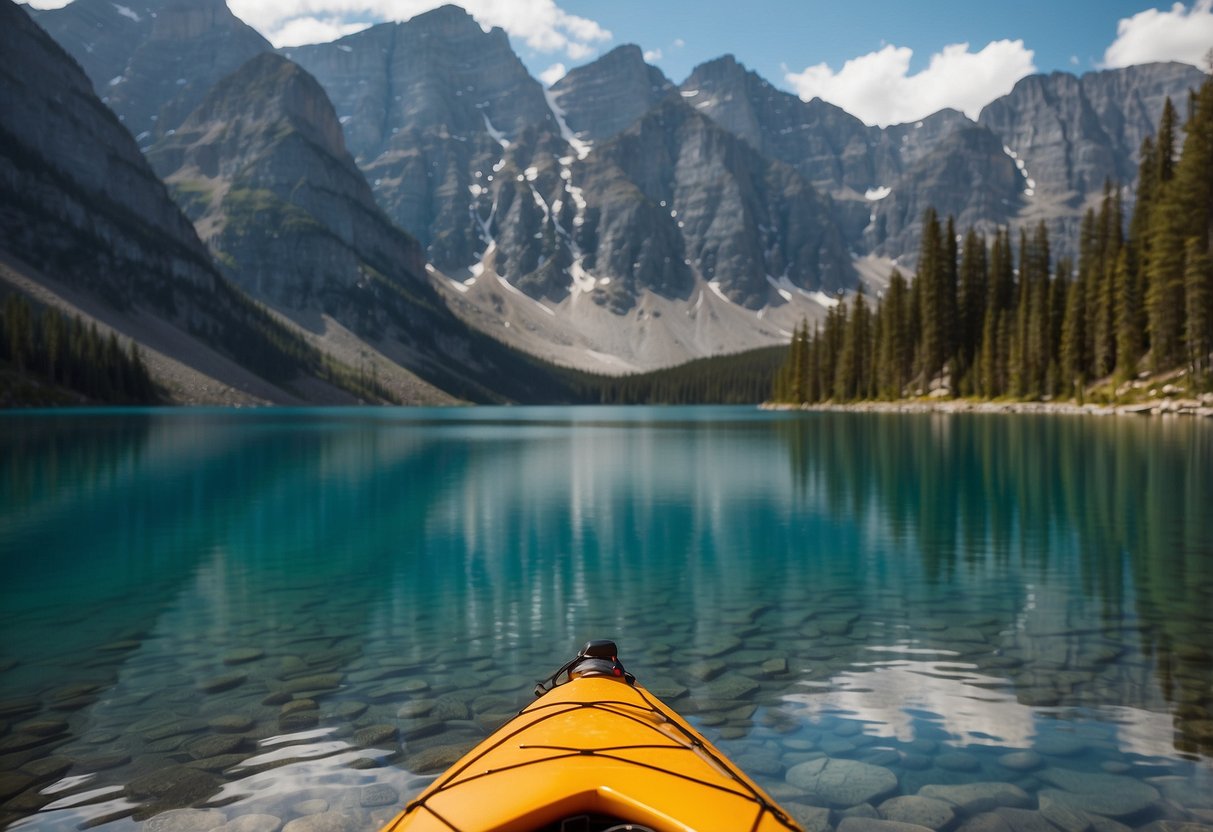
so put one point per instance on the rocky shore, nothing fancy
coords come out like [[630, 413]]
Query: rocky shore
[[1199, 407]]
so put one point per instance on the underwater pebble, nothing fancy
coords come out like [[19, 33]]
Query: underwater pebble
[[859, 824], [252, 823], [1007, 820], [374, 735], [185, 820], [232, 724], [972, 798], [219, 684], [1021, 760], [378, 795], [322, 822], [436, 758], [1110, 795], [243, 655], [810, 818], [841, 783], [923, 811], [314, 806]]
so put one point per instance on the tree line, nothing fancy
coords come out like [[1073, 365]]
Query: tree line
[[997, 318], [64, 353]]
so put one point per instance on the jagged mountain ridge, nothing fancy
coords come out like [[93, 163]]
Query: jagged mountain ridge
[[84, 217], [262, 167], [480, 140], [502, 180], [152, 61]]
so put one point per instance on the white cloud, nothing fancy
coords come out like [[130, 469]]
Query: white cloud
[[300, 30], [679, 43], [879, 89], [652, 55], [540, 24], [552, 74], [47, 4], [1181, 34]]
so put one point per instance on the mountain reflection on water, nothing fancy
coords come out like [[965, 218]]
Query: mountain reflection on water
[[265, 611]]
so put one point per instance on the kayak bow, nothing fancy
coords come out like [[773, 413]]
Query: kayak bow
[[596, 753]]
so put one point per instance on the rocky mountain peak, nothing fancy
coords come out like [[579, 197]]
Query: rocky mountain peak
[[602, 98], [190, 19]]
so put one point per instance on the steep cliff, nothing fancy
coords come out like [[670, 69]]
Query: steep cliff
[[261, 166], [84, 215]]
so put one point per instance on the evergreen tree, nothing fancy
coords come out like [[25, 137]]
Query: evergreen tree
[[971, 303], [1130, 326], [1074, 340], [931, 281], [1198, 290]]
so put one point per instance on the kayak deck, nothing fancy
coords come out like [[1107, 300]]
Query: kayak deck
[[596, 747]]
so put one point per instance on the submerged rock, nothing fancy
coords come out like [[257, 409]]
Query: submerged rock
[[842, 783], [915, 809], [972, 798], [322, 822], [186, 820], [1109, 795]]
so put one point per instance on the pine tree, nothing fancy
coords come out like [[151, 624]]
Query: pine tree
[[1198, 290], [971, 302], [930, 283], [1074, 339], [897, 352]]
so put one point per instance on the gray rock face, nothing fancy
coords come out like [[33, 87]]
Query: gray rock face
[[265, 146], [262, 169], [676, 184], [605, 97], [425, 106], [968, 176], [98, 35], [153, 70], [1075, 133]]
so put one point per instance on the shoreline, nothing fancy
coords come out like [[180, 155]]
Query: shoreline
[[1163, 407]]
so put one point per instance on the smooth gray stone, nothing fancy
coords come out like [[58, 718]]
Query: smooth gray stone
[[973, 798], [1007, 820], [923, 811], [243, 655], [1021, 760], [186, 820], [174, 784], [841, 783], [1110, 795], [379, 794], [1065, 819], [374, 735], [810, 818], [855, 824], [252, 823], [322, 822], [219, 684], [213, 746]]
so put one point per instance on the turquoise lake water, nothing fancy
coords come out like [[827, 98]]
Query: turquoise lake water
[[298, 617]]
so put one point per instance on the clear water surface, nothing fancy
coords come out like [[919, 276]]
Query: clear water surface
[[256, 619]]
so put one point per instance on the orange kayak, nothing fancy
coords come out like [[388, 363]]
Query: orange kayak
[[597, 753]]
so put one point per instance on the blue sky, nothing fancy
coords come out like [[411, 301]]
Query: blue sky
[[767, 35], [885, 61]]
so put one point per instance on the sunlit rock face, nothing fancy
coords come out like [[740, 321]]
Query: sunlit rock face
[[153, 62]]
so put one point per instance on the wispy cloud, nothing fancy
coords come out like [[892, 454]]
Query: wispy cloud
[[539, 24], [652, 55], [1181, 34], [879, 88], [553, 74]]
